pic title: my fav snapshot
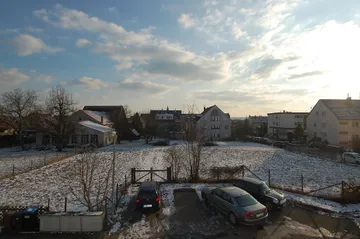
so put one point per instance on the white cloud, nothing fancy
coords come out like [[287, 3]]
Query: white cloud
[[89, 83], [143, 86], [44, 78], [236, 31], [33, 29], [82, 42], [148, 52], [12, 76], [186, 20], [27, 45]]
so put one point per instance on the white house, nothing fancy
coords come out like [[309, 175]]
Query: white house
[[282, 123], [214, 123], [337, 121]]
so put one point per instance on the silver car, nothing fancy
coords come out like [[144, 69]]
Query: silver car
[[235, 203]]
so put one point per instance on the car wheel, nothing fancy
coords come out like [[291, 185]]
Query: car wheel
[[232, 218], [205, 200]]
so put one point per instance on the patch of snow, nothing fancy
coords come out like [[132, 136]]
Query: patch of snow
[[115, 228], [137, 230]]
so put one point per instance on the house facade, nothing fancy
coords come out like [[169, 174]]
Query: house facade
[[167, 122], [259, 124], [282, 123], [337, 121], [214, 123]]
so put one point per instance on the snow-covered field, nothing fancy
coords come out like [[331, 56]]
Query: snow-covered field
[[48, 182], [22, 161]]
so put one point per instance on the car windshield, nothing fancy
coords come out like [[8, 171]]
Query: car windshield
[[246, 200], [264, 188]]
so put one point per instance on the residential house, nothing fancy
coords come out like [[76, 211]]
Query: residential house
[[214, 123], [259, 124], [167, 122], [282, 123], [337, 121]]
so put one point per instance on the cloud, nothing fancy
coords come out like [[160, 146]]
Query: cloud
[[236, 31], [305, 74], [226, 96], [141, 48], [82, 42], [143, 86], [44, 78], [186, 20], [33, 29], [89, 83], [12, 76], [112, 9], [9, 31], [26, 45], [298, 92]]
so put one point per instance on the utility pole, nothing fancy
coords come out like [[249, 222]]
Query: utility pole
[[113, 180]]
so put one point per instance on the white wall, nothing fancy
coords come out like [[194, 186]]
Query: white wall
[[327, 124], [285, 122]]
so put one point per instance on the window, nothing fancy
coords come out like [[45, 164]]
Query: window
[[227, 198], [343, 132], [84, 139], [46, 139], [277, 123], [263, 188], [217, 192], [323, 113], [324, 125], [246, 200], [74, 139], [94, 139], [54, 139], [314, 124], [273, 123], [226, 127]]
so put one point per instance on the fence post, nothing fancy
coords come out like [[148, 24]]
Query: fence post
[[151, 174], [269, 177], [117, 191], [133, 176], [302, 183], [168, 174], [65, 207]]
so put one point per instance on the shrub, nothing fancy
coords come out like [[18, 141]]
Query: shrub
[[209, 144]]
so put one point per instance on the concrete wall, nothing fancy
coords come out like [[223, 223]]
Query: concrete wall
[[323, 123]]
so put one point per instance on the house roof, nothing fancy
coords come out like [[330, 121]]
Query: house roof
[[343, 109], [98, 127], [103, 108], [96, 115], [207, 109]]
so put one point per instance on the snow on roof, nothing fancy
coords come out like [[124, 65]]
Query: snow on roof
[[96, 115], [95, 126], [135, 132]]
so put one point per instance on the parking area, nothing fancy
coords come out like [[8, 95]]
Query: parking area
[[188, 217]]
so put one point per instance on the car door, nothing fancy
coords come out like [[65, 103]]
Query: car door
[[253, 190], [217, 199]]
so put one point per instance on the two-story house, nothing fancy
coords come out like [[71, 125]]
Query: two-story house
[[282, 123], [337, 121], [259, 124], [214, 123], [167, 122]]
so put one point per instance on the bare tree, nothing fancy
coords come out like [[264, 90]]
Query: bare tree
[[16, 106], [88, 178], [59, 106], [174, 155], [195, 138]]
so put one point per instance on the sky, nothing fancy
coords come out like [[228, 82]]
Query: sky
[[249, 57]]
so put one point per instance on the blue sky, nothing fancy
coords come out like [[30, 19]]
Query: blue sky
[[248, 56]]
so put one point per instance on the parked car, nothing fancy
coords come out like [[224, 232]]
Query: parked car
[[235, 203], [261, 191], [279, 144], [351, 157], [148, 196]]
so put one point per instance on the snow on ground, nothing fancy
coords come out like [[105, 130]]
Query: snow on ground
[[48, 182], [25, 160]]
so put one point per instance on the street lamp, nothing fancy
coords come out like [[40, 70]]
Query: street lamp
[[113, 177]]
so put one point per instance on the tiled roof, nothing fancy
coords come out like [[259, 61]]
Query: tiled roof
[[344, 109]]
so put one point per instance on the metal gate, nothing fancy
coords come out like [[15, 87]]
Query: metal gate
[[137, 175]]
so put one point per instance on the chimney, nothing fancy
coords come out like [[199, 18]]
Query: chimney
[[204, 108], [102, 120]]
